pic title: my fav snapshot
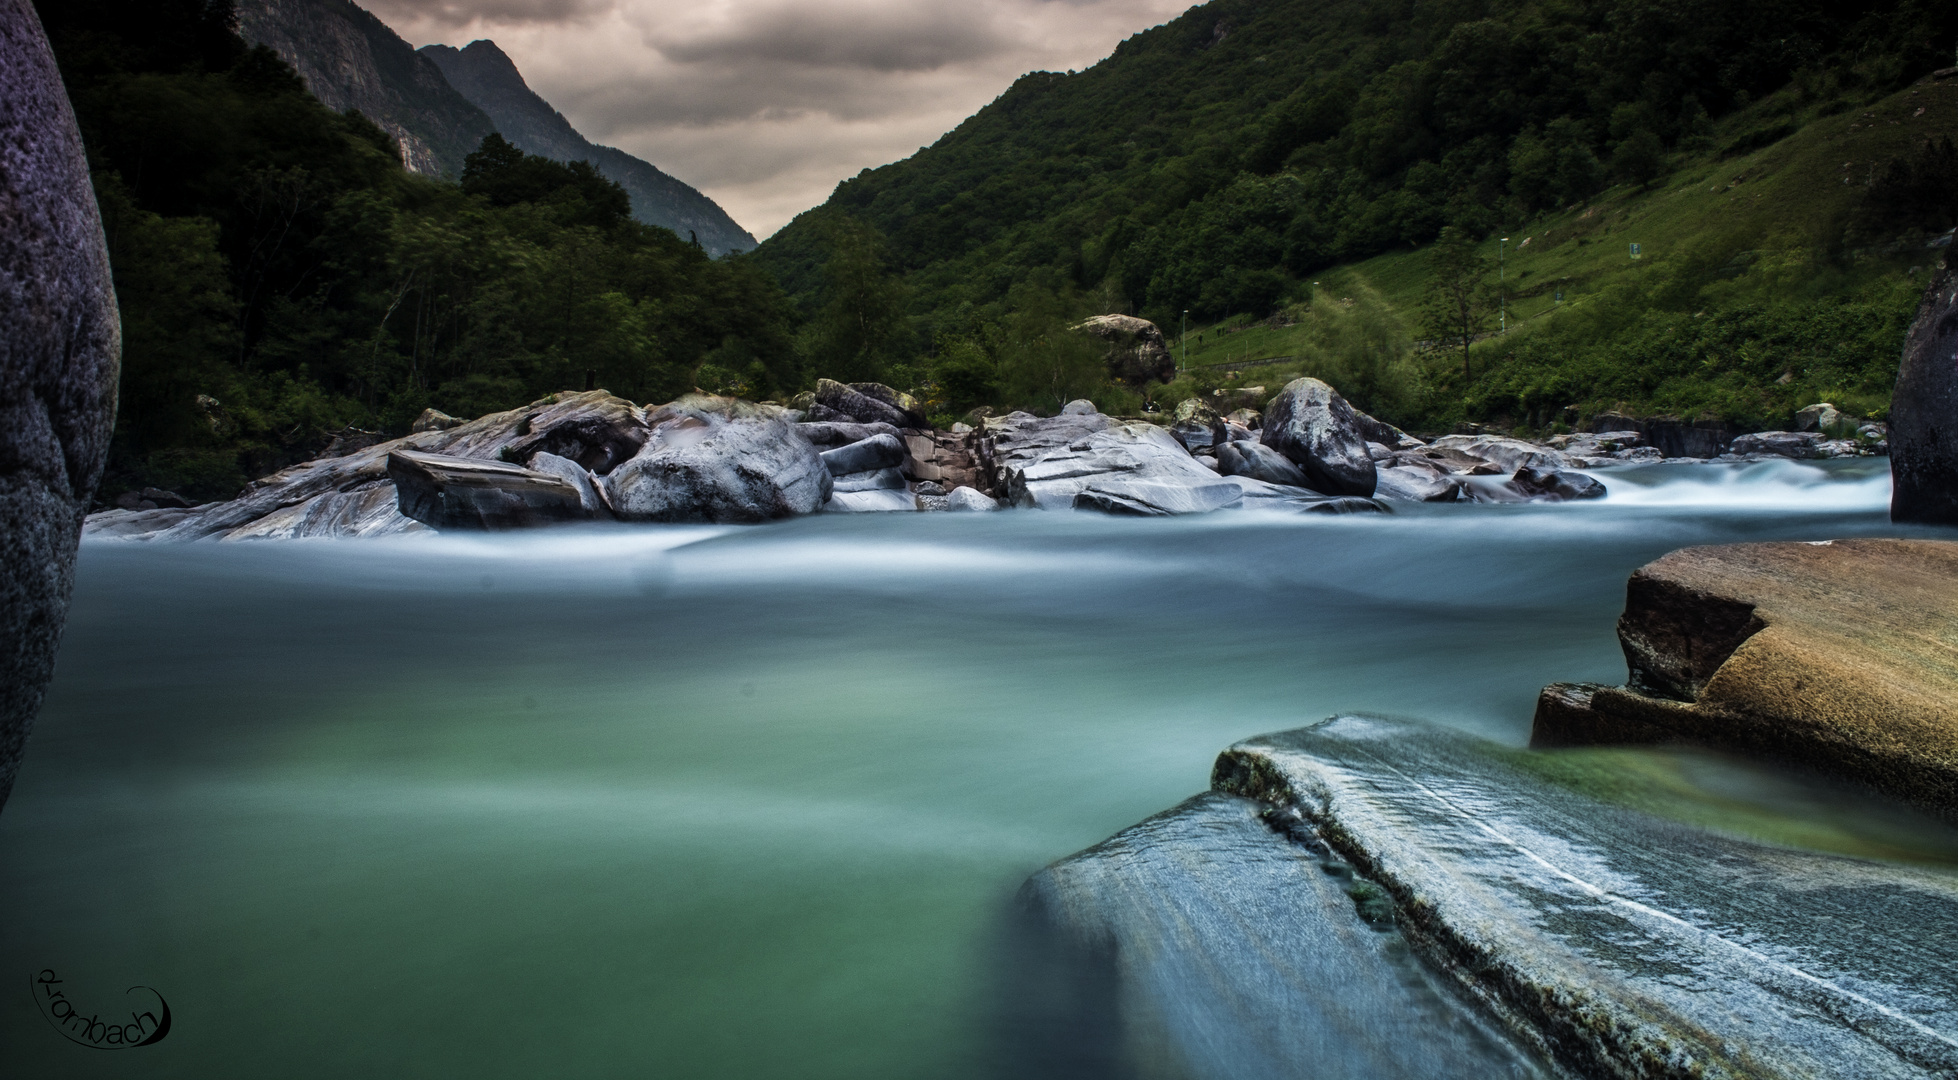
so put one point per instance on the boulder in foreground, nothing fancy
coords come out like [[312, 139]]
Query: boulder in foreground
[[1839, 656], [1924, 408], [60, 346]]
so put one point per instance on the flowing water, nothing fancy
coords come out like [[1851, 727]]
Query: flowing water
[[724, 802]]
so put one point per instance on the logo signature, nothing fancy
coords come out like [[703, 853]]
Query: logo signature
[[145, 1027]]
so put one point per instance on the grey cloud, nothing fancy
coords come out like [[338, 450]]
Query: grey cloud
[[878, 37], [451, 13]]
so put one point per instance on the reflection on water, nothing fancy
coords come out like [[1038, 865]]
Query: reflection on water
[[726, 802]]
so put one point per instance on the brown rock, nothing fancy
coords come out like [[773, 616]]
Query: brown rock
[[1840, 656]]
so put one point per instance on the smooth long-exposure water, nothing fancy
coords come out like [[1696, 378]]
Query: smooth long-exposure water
[[741, 802]]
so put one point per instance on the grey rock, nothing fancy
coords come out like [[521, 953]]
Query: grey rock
[[1818, 417], [1208, 461], [1506, 453], [835, 433], [928, 487], [886, 479], [877, 501], [931, 503], [970, 499], [1079, 407], [1624, 944], [1137, 353], [1260, 462], [590, 496], [363, 512], [1249, 419], [1788, 444], [1260, 495], [1412, 483], [132, 522], [1923, 435], [600, 435], [720, 461], [460, 493], [1252, 949], [876, 452], [1552, 485], [1195, 436], [435, 420], [865, 403], [1152, 497], [60, 346], [1312, 425]]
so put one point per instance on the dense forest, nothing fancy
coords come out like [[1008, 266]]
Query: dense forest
[[1217, 164], [283, 279]]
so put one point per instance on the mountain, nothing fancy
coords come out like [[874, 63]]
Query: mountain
[[1217, 162], [351, 60], [486, 76]]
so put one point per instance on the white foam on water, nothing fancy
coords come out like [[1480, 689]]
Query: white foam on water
[[1753, 486]]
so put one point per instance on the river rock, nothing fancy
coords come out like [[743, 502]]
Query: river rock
[[834, 434], [1246, 458], [1507, 453], [601, 433], [1818, 417], [1834, 656], [886, 479], [719, 460], [876, 452], [435, 420], [970, 499], [1923, 436], [1617, 943], [590, 496], [60, 345], [871, 501], [1552, 485], [1312, 425], [1788, 444], [864, 403], [446, 492], [1137, 353], [1415, 483], [1249, 419], [1673, 436], [1079, 407]]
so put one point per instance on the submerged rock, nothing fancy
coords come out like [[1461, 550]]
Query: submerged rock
[[1617, 943], [1834, 656], [1312, 425]]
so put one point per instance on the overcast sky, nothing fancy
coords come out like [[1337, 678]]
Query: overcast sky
[[766, 104]]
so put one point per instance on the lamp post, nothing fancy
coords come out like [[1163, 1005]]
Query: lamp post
[[1502, 283]]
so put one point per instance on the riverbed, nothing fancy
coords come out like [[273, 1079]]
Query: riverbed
[[727, 802]]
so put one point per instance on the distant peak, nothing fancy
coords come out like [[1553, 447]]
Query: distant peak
[[484, 51]]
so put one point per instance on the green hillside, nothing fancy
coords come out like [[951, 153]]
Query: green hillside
[[1770, 159]]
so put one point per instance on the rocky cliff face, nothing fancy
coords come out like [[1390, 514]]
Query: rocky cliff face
[[351, 60], [486, 76]]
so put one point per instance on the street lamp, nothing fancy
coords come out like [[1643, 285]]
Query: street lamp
[[1502, 282]]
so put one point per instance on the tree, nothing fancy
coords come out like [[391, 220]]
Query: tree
[[860, 330], [1459, 300], [1639, 159]]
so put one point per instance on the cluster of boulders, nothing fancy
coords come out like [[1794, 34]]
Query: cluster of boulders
[[593, 456]]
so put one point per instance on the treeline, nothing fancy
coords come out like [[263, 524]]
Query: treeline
[[281, 277]]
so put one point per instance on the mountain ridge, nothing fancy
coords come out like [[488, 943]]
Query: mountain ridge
[[489, 79], [353, 61]]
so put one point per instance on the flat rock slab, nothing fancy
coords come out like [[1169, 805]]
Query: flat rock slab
[[1232, 950], [471, 493], [1623, 945], [1840, 656]]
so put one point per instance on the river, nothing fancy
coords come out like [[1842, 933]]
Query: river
[[725, 802]]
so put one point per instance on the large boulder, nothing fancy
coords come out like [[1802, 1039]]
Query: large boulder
[[1788, 444], [1137, 353], [1510, 454], [1312, 425], [1923, 432], [1092, 462], [1246, 458], [864, 403], [1836, 656], [60, 345], [719, 460], [875, 452], [447, 492]]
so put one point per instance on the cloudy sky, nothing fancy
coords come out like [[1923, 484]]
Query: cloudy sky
[[766, 104]]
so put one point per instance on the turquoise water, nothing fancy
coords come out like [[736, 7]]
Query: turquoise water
[[723, 802]]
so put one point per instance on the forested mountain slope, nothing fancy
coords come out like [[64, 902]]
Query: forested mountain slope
[[486, 76], [351, 60], [1216, 163]]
